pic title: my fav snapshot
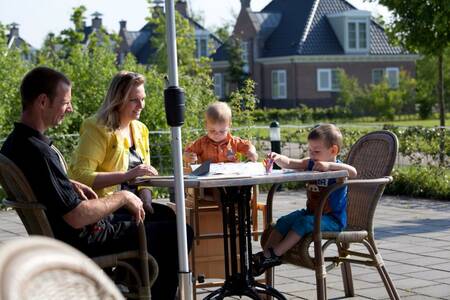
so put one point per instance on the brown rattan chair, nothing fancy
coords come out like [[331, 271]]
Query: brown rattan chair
[[38, 267], [20, 196], [373, 156]]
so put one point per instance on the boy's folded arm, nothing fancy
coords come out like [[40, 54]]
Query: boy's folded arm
[[341, 166]]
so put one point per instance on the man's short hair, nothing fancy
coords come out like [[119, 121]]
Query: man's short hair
[[328, 133], [218, 112], [40, 80]]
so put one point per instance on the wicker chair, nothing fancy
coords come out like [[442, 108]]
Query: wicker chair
[[32, 213], [43, 268], [373, 156]]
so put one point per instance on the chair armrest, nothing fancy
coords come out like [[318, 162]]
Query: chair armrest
[[269, 204], [23, 205], [318, 213]]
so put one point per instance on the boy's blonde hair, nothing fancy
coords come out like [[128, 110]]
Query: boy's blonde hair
[[328, 133], [218, 112]]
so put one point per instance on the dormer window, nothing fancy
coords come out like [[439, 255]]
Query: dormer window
[[357, 35], [352, 29]]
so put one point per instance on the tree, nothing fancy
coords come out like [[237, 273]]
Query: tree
[[236, 72], [423, 26], [12, 69]]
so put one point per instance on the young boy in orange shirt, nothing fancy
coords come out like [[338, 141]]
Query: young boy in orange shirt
[[218, 145]]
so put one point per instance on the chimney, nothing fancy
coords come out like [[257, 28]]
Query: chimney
[[158, 8], [181, 7], [13, 30], [245, 4], [123, 25], [96, 20]]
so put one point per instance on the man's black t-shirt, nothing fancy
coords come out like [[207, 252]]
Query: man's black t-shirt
[[31, 151]]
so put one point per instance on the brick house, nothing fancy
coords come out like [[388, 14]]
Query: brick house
[[292, 49], [139, 42]]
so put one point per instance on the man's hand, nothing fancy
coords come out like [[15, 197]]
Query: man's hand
[[146, 197], [134, 205], [84, 191], [141, 170], [321, 166]]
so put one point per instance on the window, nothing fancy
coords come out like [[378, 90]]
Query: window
[[244, 56], [357, 35], [327, 80], [389, 74], [201, 47], [218, 85], [392, 77], [377, 76], [279, 84]]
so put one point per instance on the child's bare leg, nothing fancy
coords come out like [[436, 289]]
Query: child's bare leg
[[274, 239], [284, 245]]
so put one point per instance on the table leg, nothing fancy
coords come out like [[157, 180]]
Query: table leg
[[239, 280]]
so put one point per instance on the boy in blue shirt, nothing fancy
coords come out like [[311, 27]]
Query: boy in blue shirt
[[324, 144]]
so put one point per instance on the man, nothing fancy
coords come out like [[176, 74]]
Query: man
[[88, 225]]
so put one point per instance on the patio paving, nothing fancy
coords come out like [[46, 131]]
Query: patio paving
[[413, 236]]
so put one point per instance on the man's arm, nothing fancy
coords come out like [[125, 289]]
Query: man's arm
[[91, 211]]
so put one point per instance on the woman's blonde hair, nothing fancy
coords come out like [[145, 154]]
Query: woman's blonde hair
[[118, 93]]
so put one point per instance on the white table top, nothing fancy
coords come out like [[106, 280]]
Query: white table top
[[277, 176]]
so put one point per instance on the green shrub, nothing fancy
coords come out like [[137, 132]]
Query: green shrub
[[418, 181]]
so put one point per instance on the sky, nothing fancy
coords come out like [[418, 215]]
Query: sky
[[36, 18]]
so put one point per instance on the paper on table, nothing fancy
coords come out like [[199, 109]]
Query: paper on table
[[247, 168]]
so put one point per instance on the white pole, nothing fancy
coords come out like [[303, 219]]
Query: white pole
[[185, 277]]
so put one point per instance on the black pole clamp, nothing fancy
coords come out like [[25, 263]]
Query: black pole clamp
[[174, 104]]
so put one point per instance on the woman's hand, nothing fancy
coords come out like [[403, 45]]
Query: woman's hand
[[146, 197], [140, 170]]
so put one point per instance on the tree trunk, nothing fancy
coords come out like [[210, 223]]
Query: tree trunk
[[441, 108]]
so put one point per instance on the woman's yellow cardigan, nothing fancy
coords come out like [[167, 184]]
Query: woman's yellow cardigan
[[102, 150]]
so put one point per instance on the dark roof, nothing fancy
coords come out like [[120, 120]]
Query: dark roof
[[140, 41], [291, 18]]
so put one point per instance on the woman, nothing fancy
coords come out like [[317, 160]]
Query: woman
[[114, 149]]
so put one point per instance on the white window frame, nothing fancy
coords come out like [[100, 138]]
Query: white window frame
[[383, 73], [218, 85], [329, 84], [358, 34], [279, 84], [385, 76], [198, 46], [396, 71], [244, 55]]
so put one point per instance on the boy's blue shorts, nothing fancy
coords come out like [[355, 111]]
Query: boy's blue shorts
[[303, 223]]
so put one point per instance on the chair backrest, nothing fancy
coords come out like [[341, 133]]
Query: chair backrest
[[22, 198], [44, 268], [373, 156]]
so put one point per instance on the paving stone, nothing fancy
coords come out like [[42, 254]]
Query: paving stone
[[413, 236], [440, 290]]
